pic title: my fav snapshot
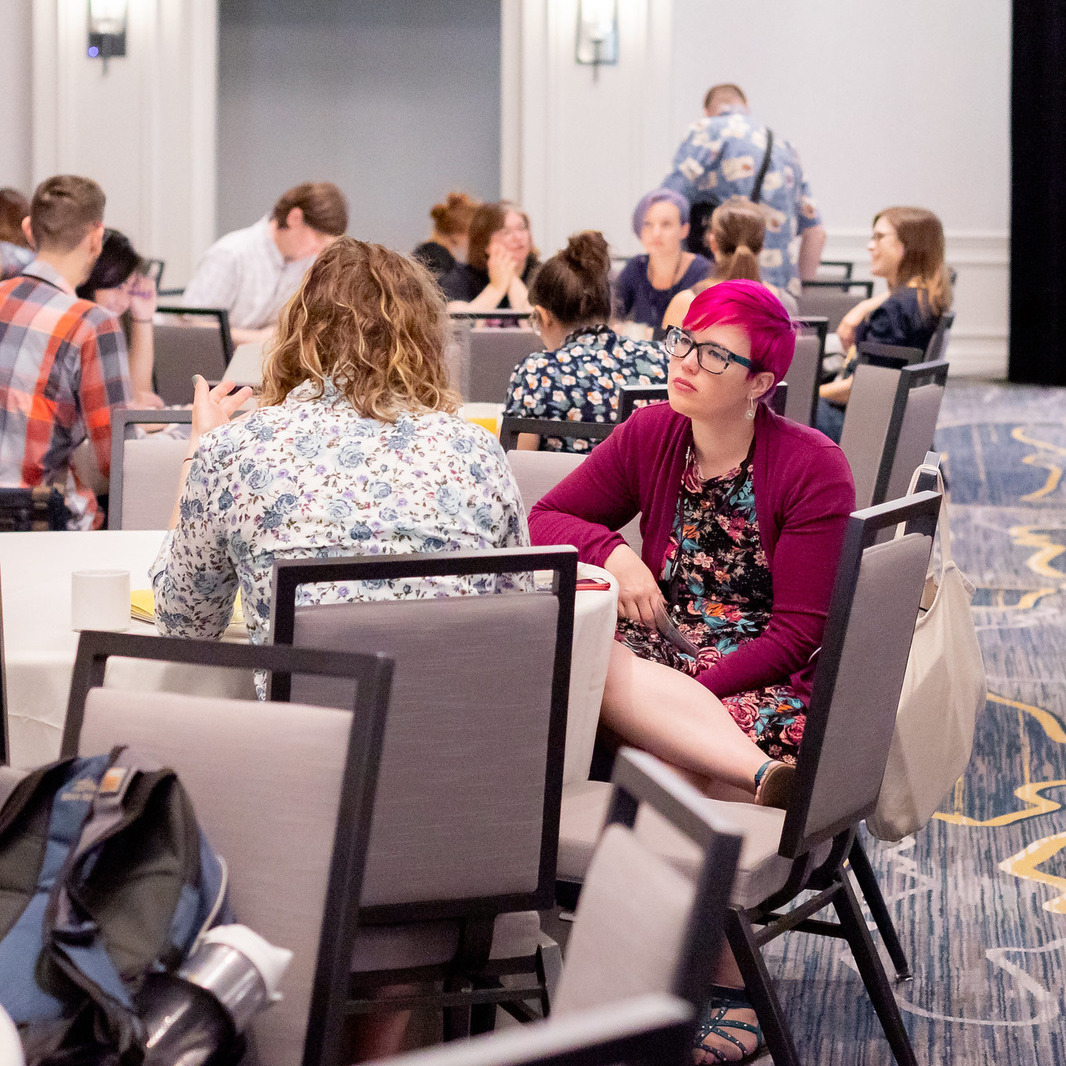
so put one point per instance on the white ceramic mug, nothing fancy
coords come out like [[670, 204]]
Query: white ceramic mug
[[100, 599]]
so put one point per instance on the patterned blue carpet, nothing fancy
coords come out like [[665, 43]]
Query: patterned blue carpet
[[979, 895]]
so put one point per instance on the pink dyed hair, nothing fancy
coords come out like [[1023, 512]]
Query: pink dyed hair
[[758, 312]]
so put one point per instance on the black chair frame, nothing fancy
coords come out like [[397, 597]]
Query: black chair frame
[[373, 676], [891, 355], [630, 395], [828, 881], [547, 427], [846, 266], [844, 284]]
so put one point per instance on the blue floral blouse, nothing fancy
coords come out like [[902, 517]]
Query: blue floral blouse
[[311, 478], [580, 381]]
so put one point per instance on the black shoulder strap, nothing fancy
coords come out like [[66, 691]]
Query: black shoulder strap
[[756, 191]]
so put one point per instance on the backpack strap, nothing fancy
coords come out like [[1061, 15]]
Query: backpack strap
[[756, 191]]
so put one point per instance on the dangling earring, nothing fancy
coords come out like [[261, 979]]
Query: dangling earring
[[750, 412]]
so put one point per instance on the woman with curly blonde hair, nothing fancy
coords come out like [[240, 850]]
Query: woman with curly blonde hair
[[355, 447]]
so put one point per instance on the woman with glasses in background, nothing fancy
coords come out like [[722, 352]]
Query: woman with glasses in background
[[500, 262], [742, 514], [585, 363]]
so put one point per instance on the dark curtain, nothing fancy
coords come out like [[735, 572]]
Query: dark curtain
[[1038, 193]]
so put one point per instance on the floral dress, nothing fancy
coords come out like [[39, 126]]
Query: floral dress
[[719, 587], [311, 478], [580, 380]]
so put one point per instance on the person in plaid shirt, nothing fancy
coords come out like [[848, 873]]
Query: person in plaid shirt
[[63, 362]]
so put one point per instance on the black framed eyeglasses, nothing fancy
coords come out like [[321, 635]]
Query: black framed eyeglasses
[[714, 358]]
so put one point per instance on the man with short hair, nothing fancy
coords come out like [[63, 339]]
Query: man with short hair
[[63, 362], [252, 272], [721, 157]]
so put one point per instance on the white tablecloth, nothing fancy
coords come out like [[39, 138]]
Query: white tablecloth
[[40, 646]]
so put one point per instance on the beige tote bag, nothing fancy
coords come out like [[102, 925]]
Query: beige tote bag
[[943, 691]]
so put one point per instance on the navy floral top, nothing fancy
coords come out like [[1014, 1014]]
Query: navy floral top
[[311, 478], [579, 382]]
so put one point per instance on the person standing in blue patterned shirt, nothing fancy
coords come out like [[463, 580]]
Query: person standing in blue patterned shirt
[[721, 156], [585, 363]]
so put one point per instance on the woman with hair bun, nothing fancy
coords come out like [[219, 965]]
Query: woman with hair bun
[[448, 241], [735, 237], [585, 362]]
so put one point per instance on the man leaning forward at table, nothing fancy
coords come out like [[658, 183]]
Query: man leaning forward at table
[[63, 362]]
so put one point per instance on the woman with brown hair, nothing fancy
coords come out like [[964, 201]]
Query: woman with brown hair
[[451, 230], [355, 447], [500, 262], [15, 251], [735, 238], [907, 250]]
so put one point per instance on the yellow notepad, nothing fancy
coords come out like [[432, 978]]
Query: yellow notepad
[[142, 607]]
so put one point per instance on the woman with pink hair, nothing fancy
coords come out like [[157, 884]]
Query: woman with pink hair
[[742, 515]]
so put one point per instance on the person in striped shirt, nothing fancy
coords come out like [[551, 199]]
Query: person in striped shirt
[[63, 361]]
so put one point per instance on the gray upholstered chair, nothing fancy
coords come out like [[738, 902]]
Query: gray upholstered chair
[[493, 354], [462, 848], [189, 340], [512, 426], [805, 372], [629, 396], [832, 299], [145, 471], [841, 762], [284, 793], [889, 426]]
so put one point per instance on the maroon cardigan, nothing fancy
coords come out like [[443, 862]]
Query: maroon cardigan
[[804, 493]]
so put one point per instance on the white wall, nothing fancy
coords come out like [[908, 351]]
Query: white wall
[[900, 104], [144, 129], [15, 120]]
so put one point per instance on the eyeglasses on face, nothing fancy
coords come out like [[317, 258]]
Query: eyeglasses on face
[[714, 358]]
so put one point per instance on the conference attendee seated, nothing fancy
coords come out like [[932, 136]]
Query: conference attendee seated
[[735, 235], [447, 243], [649, 282], [743, 516], [585, 362], [119, 283], [15, 251], [500, 262], [252, 272], [907, 250], [62, 359], [355, 448]]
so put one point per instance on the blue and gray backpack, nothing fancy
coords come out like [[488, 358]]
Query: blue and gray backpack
[[105, 877]]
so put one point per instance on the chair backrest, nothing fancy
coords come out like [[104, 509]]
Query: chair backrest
[[805, 371], [653, 1030], [779, 401], [938, 344], [832, 299], [629, 396], [246, 366], [642, 925], [189, 340], [283, 792], [537, 472], [889, 425], [835, 270], [494, 354], [860, 671], [145, 471], [467, 813], [890, 355], [511, 427]]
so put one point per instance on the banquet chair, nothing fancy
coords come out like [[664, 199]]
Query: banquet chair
[[835, 270], [632, 396], [189, 340], [465, 831], [889, 425], [145, 471], [494, 354], [805, 371], [511, 427], [890, 355], [938, 343], [262, 775], [832, 299], [643, 927], [652, 1030], [841, 761]]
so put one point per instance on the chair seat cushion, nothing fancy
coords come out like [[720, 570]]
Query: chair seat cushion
[[392, 947], [761, 871]]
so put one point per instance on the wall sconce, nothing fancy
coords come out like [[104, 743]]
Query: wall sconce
[[597, 34], [107, 29]]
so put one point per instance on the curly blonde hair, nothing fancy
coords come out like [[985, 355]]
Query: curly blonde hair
[[373, 321]]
